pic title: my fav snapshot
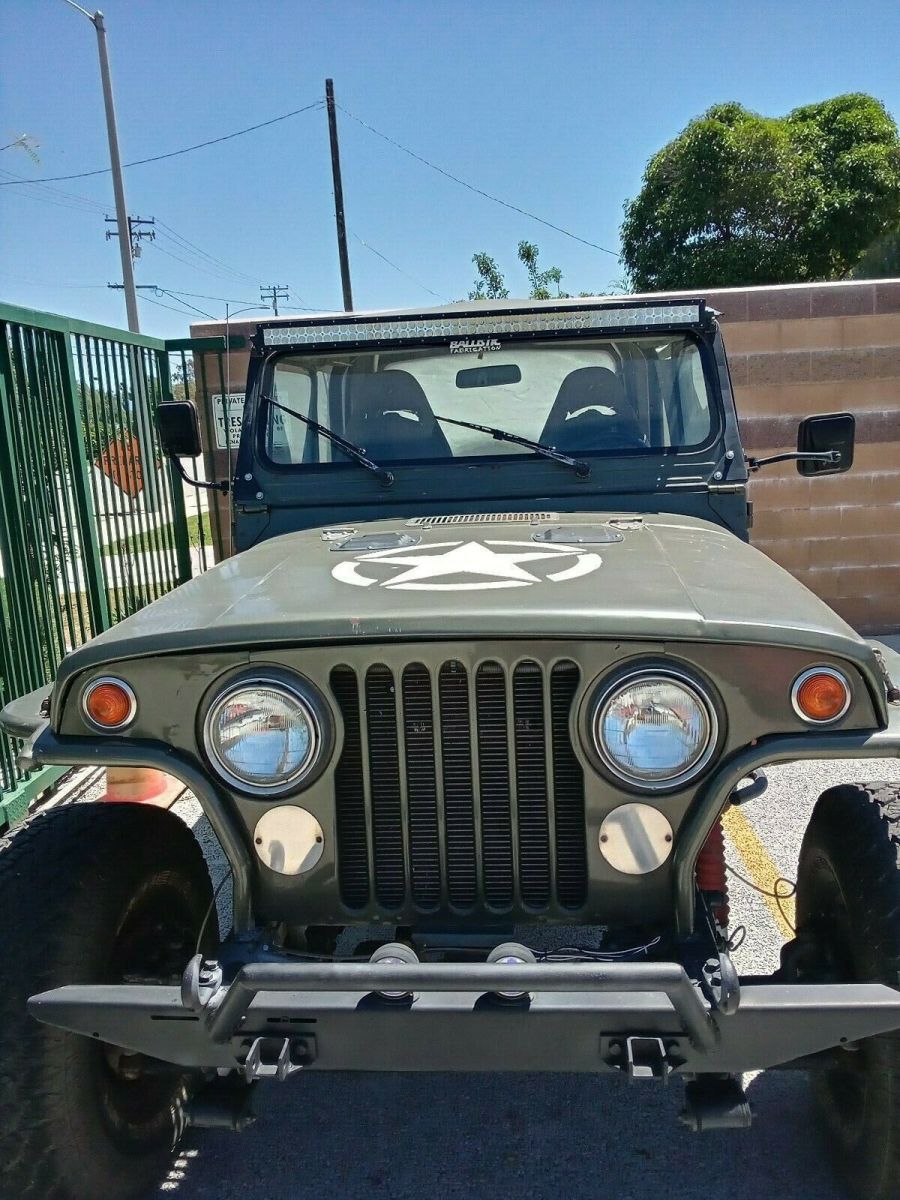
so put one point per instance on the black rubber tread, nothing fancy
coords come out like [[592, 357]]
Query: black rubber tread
[[851, 849], [67, 880]]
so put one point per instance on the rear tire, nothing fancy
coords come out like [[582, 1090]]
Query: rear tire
[[848, 901], [89, 894]]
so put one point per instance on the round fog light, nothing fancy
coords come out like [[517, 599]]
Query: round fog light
[[511, 954], [393, 954]]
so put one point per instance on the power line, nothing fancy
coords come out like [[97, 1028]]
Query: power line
[[472, 188], [58, 193], [180, 238], [182, 312], [203, 296], [139, 162], [385, 258], [322, 308], [174, 296], [207, 269], [80, 203]]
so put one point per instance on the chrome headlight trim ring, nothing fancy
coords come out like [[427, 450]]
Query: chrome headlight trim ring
[[649, 673], [308, 707]]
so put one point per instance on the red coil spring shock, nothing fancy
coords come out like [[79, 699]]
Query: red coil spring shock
[[711, 875]]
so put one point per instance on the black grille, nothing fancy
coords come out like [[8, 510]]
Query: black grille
[[475, 795]]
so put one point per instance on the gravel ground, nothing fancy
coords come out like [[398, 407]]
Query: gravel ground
[[408, 1136]]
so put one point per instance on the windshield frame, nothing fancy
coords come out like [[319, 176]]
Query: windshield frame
[[340, 468]]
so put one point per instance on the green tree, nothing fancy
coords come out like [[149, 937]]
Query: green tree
[[491, 284], [541, 281], [881, 260], [738, 198]]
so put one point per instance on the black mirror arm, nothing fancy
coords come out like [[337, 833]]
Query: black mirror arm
[[222, 486], [824, 456]]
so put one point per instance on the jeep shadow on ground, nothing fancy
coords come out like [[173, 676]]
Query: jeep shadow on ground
[[469, 1137]]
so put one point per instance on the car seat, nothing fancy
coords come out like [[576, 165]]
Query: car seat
[[592, 412], [391, 418]]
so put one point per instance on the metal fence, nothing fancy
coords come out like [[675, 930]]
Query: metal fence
[[93, 518], [200, 371]]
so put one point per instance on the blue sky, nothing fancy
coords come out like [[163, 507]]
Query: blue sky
[[555, 107]]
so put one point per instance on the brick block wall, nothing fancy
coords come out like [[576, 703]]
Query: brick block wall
[[794, 351], [804, 349]]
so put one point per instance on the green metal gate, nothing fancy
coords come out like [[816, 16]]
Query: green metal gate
[[92, 515]]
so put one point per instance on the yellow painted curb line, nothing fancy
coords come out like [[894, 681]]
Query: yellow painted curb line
[[760, 869]]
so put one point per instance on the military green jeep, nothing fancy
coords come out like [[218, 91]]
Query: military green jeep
[[491, 662]]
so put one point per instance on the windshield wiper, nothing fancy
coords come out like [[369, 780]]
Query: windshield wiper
[[357, 453], [581, 468]]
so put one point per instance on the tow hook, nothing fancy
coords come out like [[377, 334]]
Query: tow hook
[[277, 1057]]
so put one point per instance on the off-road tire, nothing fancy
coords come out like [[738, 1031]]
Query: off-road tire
[[848, 898], [80, 889]]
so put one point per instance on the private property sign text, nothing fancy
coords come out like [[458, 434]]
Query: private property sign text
[[228, 417]]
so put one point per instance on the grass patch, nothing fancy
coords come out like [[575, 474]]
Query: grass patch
[[147, 540]]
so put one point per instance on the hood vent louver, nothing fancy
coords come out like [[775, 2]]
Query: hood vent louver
[[524, 518]]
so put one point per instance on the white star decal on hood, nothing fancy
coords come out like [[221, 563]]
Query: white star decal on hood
[[494, 569]]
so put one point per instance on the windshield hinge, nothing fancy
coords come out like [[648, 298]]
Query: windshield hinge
[[725, 488]]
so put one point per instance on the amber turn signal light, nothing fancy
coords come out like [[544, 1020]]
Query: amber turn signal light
[[820, 695], [109, 704]]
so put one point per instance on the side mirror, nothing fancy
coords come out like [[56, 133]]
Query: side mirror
[[833, 432], [179, 429]]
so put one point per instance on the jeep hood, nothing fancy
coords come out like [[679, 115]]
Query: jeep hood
[[668, 578]]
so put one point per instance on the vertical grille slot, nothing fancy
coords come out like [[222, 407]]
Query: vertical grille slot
[[350, 796], [494, 784], [531, 784], [456, 769], [384, 787], [568, 786], [418, 730]]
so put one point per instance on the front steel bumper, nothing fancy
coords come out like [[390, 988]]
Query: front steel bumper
[[273, 1018]]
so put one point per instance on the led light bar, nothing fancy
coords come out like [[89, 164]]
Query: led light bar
[[486, 325]]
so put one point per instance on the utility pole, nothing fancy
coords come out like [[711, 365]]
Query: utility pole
[[115, 163], [338, 196], [135, 233], [274, 293]]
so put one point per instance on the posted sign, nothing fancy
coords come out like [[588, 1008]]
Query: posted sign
[[228, 419]]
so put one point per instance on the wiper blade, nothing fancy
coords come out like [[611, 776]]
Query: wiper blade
[[581, 468], [357, 453]]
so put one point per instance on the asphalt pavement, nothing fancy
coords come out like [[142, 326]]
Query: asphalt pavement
[[474, 1136]]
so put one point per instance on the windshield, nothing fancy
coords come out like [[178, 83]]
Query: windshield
[[627, 395]]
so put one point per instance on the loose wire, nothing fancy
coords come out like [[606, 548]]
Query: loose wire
[[228, 874], [775, 895]]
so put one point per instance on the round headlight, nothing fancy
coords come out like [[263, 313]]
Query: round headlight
[[262, 735], [656, 731]]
